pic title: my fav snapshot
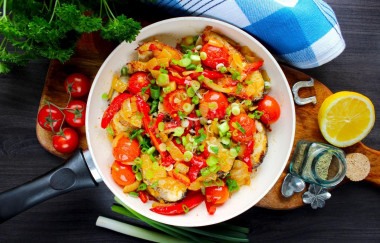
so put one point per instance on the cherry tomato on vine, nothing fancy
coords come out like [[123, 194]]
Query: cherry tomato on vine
[[177, 100], [77, 84], [217, 194], [138, 81], [213, 105], [66, 142], [122, 174], [270, 108], [242, 128], [75, 113], [126, 150], [215, 56], [50, 117]]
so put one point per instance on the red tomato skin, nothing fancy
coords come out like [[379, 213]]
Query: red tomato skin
[[78, 106], [270, 108], [213, 97], [247, 123], [67, 143], [217, 194], [215, 56], [169, 101], [138, 81], [126, 150], [56, 115], [80, 85], [122, 174]]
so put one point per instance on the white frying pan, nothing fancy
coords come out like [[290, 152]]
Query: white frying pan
[[86, 169]]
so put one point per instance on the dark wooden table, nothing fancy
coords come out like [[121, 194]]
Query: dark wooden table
[[352, 214]]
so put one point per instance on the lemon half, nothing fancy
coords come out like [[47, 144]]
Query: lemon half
[[346, 118]]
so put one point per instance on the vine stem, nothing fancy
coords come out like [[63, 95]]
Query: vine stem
[[52, 15], [4, 9]]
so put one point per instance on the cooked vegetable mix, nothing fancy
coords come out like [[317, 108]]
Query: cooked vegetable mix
[[184, 126]]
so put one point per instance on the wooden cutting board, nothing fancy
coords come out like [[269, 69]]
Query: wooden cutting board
[[92, 50]]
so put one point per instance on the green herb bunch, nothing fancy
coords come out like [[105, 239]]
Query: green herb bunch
[[32, 29]]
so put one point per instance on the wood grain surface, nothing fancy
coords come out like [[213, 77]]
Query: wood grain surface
[[352, 214]]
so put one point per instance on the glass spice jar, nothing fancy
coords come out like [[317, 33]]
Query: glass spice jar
[[318, 163]]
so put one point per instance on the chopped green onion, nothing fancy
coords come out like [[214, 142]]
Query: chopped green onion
[[214, 149], [195, 58], [223, 69], [178, 131], [228, 111], [124, 71], [198, 112], [236, 75], [195, 100], [218, 181], [162, 70], [256, 115], [205, 171], [144, 89], [231, 99], [225, 140], [201, 77], [151, 150], [212, 160], [184, 62], [235, 110], [110, 130], [181, 114], [203, 55], [248, 82], [248, 102], [208, 182], [212, 105], [185, 123], [239, 88], [191, 67], [195, 85], [166, 90], [142, 187], [162, 98], [224, 127], [153, 107], [232, 185], [162, 79], [161, 126], [187, 156], [201, 130], [175, 62], [155, 92], [234, 152], [136, 168], [200, 138], [267, 85], [133, 194], [185, 208], [184, 142], [201, 148], [239, 127], [138, 160], [199, 68], [190, 92], [214, 168], [138, 176], [187, 107], [152, 157], [105, 96], [228, 134]]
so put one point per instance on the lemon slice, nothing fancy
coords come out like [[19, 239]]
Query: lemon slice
[[346, 118]]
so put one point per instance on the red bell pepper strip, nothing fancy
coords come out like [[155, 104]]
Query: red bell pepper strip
[[197, 163], [113, 108], [166, 161], [207, 74], [170, 125], [254, 66], [177, 68], [191, 201], [247, 154], [143, 197], [177, 80], [211, 208], [160, 116]]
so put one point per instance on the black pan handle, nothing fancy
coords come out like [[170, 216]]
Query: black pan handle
[[72, 175]]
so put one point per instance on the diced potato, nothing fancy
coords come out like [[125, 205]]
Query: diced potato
[[240, 173], [181, 167]]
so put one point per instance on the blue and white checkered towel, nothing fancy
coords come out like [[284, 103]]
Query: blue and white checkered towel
[[303, 33]]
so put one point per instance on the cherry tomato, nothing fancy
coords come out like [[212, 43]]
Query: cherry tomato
[[215, 56], [126, 150], [75, 113], [50, 115], [138, 81], [67, 142], [270, 108], [242, 128], [78, 84], [213, 105], [174, 101], [122, 174], [217, 194]]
